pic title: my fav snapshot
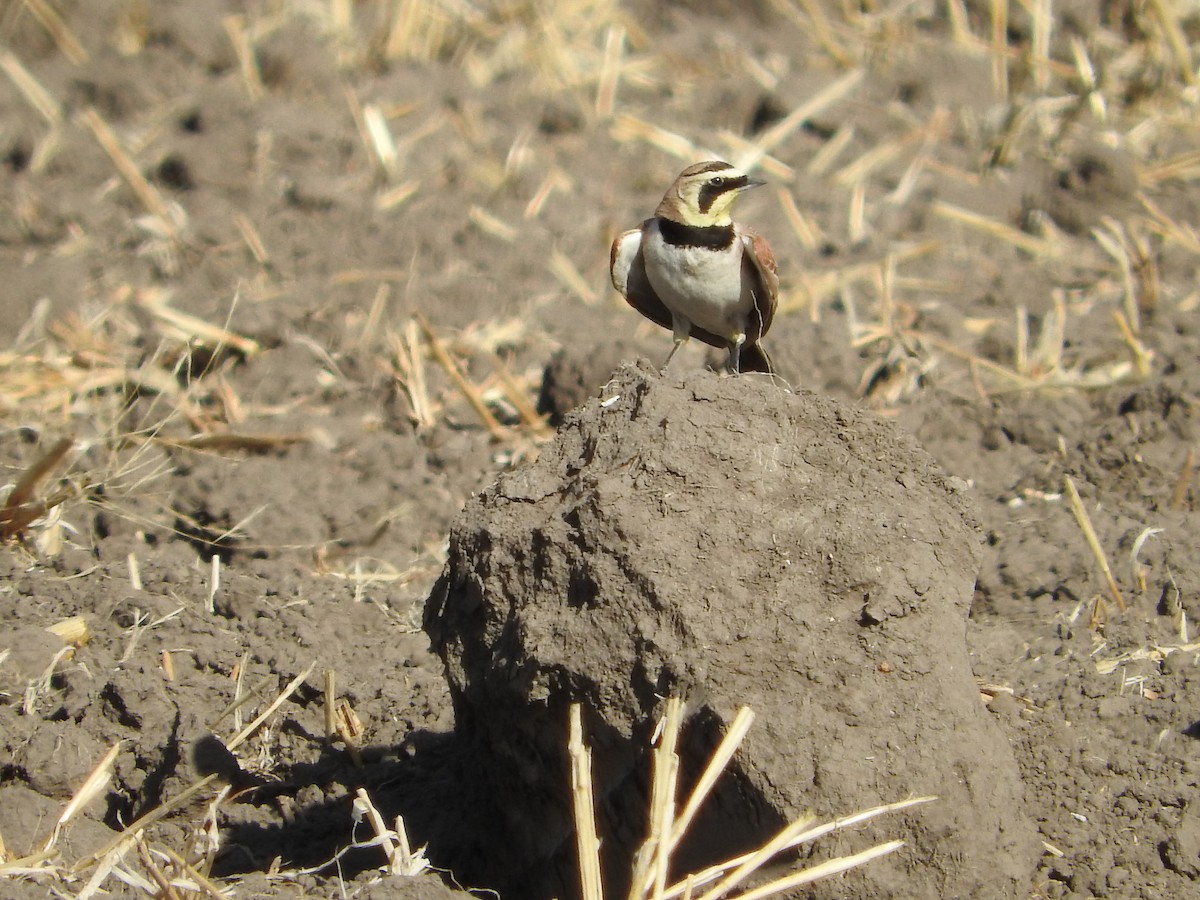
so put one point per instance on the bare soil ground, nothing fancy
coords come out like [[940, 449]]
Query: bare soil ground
[[281, 284]]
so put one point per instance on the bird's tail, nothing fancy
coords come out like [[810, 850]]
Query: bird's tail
[[755, 359]]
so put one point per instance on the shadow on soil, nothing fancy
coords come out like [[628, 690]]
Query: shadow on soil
[[436, 783]]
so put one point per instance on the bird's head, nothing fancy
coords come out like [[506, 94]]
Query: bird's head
[[703, 194]]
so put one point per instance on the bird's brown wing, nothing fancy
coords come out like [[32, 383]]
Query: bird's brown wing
[[627, 266], [758, 264]]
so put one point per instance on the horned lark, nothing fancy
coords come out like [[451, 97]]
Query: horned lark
[[692, 269]]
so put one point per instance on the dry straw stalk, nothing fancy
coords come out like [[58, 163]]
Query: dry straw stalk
[[651, 865], [1093, 542]]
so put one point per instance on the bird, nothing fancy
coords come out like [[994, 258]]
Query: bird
[[692, 269]]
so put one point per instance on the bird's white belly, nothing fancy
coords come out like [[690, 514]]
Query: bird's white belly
[[701, 285]]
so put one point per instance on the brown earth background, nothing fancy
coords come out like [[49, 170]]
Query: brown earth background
[[282, 282]]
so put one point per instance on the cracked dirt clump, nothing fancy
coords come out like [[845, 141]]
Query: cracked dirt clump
[[737, 544]]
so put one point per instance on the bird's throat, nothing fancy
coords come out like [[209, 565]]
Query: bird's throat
[[712, 237]]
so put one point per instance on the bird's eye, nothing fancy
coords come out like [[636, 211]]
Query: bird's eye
[[718, 181]]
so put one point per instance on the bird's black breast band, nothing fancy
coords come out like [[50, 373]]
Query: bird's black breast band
[[714, 237]]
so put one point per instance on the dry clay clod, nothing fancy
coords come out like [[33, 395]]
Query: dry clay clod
[[734, 543]]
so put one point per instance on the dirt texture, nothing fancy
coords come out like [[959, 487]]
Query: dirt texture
[[732, 543], [284, 281]]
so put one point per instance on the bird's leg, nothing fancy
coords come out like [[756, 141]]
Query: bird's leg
[[679, 342], [681, 328], [734, 365]]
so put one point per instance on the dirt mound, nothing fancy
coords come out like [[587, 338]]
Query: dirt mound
[[734, 543]]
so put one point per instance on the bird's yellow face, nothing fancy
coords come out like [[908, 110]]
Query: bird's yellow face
[[704, 194]]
